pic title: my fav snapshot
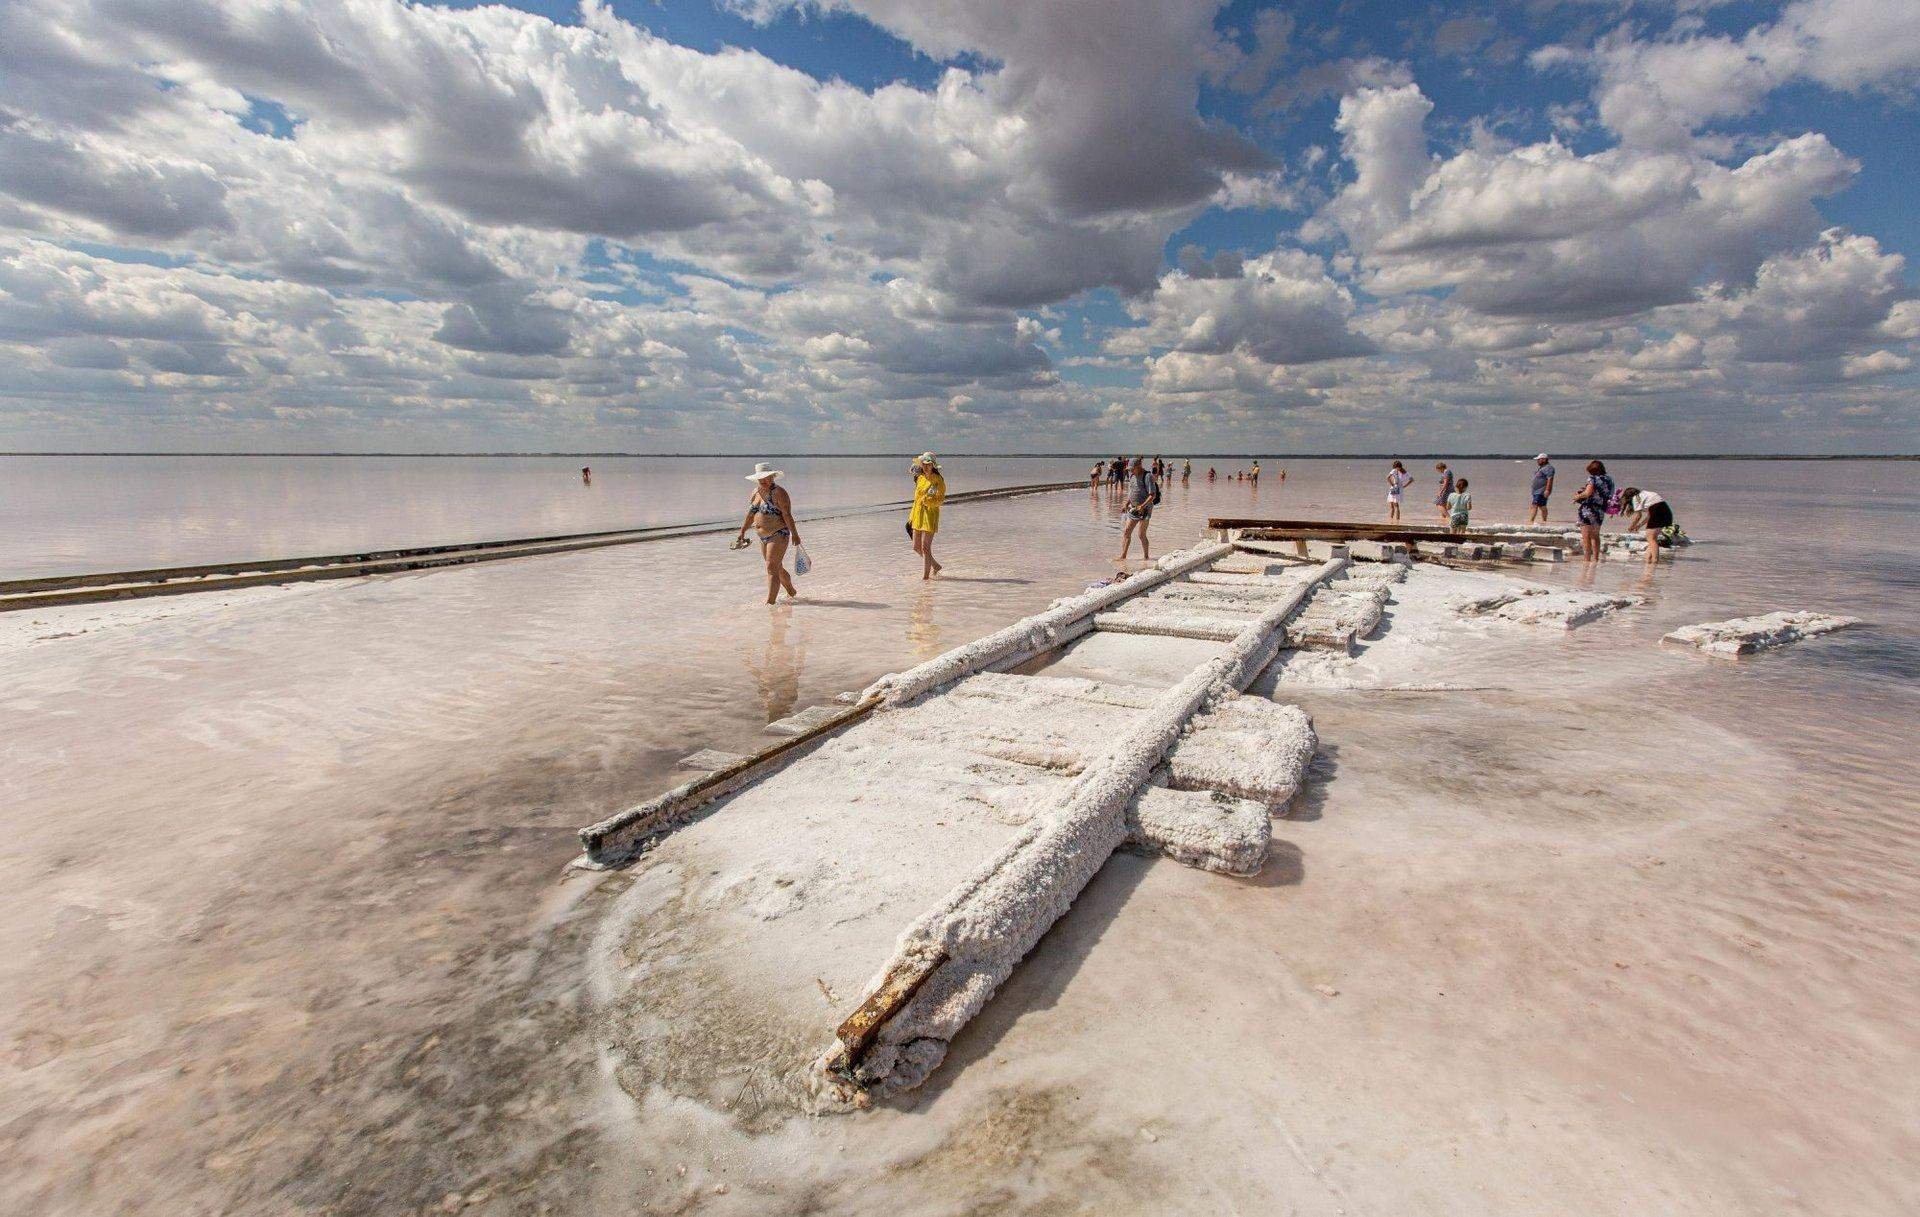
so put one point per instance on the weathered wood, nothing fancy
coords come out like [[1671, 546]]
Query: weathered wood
[[614, 839], [856, 1033], [1354, 530], [53, 591]]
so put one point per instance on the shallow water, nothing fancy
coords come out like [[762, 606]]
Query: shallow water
[[284, 932], [69, 514]]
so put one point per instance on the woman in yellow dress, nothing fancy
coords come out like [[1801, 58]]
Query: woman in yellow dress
[[929, 491]]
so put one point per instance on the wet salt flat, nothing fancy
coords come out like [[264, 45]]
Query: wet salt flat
[[287, 931]]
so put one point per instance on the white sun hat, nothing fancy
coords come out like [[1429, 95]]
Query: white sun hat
[[926, 458], [764, 470], [1541, 457]]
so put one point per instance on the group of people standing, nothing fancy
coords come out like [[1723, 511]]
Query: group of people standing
[[1596, 499], [1116, 471]]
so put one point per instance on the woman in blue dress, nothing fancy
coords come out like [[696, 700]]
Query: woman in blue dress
[[1591, 503]]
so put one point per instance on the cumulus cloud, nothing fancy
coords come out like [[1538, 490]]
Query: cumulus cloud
[[1659, 92], [1542, 232], [1282, 308], [482, 225]]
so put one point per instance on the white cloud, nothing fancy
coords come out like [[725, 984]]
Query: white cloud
[[479, 226], [1282, 308], [1660, 92], [1879, 363], [1543, 233]]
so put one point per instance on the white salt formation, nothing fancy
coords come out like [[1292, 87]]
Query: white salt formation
[[1219, 627], [1744, 635], [1564, 609], [1245, 746], [810, 719], [1034, 635], [618, 836], [1203, 829], [710, 759], [1338, 615], [950, 961]]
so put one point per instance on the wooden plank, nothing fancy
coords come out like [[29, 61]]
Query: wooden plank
[[856, 1034], [1310, 530], [53, 591], [614, 839]]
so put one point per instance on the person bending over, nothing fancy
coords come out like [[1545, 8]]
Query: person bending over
[[1651, 514]]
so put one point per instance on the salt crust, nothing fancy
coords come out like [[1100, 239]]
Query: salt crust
[[1744, 635], [624, 831], [1035, 633], [973, 939], [1542, 606], [1204, 829]]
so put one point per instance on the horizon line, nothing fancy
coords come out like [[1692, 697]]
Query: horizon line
[[1185, 455]]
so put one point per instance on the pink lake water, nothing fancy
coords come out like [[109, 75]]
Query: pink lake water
[[283, 929]]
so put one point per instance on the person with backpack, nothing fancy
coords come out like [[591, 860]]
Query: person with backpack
[[1143, 494], [1591, 503]]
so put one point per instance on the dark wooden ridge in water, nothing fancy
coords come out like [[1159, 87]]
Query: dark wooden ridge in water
[[1340, 530], [53, 590]]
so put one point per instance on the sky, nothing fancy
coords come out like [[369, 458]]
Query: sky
[[982, 226]]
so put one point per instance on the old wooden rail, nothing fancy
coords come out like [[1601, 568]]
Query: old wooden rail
[[54, 590], [1340, 530]]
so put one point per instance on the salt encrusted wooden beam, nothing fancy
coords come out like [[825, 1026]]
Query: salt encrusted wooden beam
[[617, 838], [993, 918]]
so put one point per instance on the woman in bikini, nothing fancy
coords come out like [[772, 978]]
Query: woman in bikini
[[770, 513]]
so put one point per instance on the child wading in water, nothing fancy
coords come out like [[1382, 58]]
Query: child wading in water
[[1459, 503]]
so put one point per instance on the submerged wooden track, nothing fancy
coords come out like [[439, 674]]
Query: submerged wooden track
[[1191, 770], [55, 590]]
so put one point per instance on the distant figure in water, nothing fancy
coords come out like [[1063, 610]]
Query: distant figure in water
[[1459, 503], [1209, 473], [1186, 469], [1093, 475], [1143, 491], [586, 476], [1398, 479], [770, 513], [1543, 473], [1651, 514], [929, 491], [1255, 475], [1446, 487], [1591, 505]]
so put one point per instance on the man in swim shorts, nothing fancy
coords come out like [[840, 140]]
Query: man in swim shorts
[[1542, 489]]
